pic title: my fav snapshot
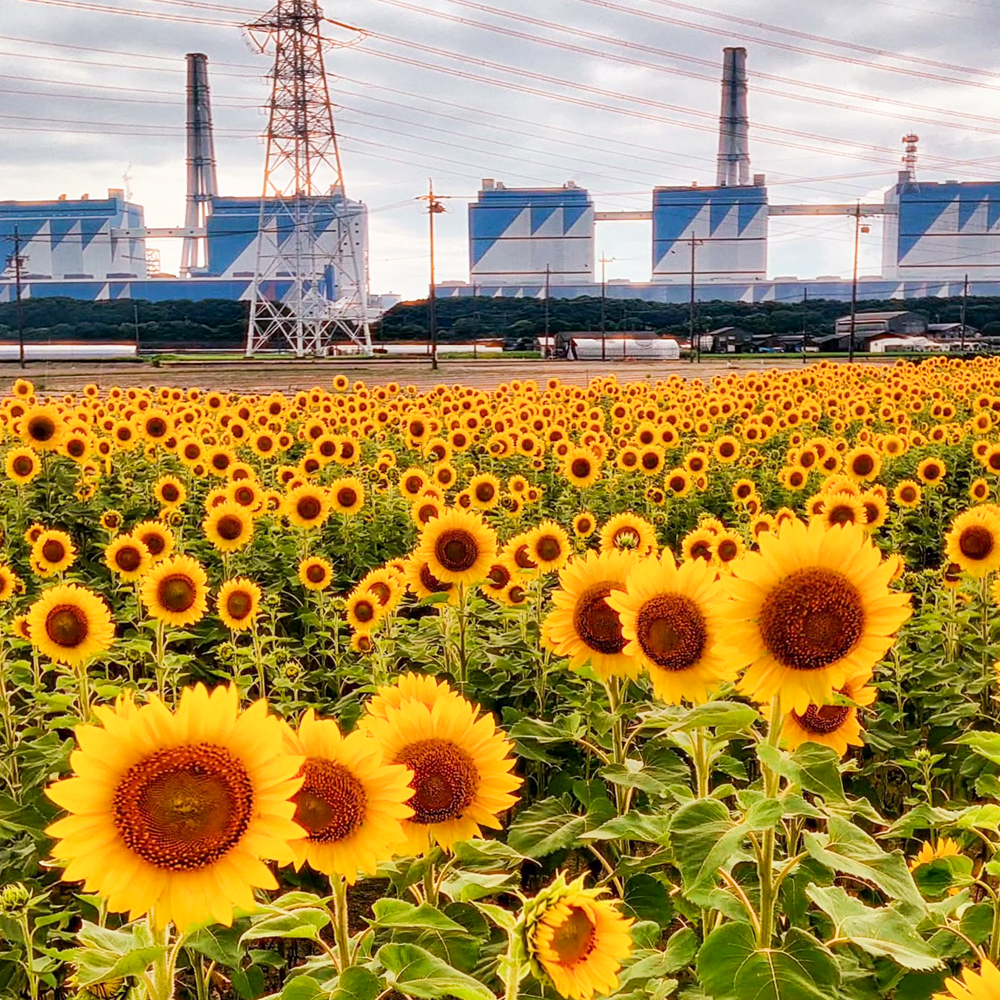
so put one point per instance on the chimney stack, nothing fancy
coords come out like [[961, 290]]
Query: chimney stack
[[734, 147], [202, 185]]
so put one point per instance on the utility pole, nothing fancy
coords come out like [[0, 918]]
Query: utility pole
[[805, 319], [854, 282], [965, 298], [604, 317], [434, 207], [548, 271], [135, 317], [694, 350], [17, 261]]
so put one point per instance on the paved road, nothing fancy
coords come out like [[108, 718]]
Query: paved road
[[264, 376]]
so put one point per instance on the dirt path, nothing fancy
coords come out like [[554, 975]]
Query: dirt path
[[291, 375]]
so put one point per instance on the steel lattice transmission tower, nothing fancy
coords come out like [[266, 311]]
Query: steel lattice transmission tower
[[311, 276]]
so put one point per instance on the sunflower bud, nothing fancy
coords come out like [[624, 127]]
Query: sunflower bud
[[14, 899]]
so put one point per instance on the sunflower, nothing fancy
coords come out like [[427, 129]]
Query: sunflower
[[931, 471], [698, 544], [549, 546], [385, 584], [727, 549], [22, 465], [810, 610], [157, 537], [458, 547], [43, 427], [52, 552], [583, 626], [678, 481], [410, 687], [982, 986], [238, 603], [174, 591], [460, 763], [422, 582], [835, 725], [841, 508], [228, 526], [726, 449], [862, 463], [979, 490], [413, 482], [10, 583], [907, 493], [628, 532], [581, 468], [171, 812], [70, 624], [425, 509], [351, 803], [584, 524], [111, 520], [363, 610], [876, 509], [315, 573], [974, 541], [484, 491], [127, 558], [347, 495], [575, 940], [670, 620], [306, 506], [944, 848], [169, 491]]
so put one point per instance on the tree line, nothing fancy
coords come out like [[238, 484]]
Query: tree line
[[221, 323]]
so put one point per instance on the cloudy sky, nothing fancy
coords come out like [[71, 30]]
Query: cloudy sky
[[617, 95]]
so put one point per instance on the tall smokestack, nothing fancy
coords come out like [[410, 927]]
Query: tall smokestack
[[202, 185], [734, 147]]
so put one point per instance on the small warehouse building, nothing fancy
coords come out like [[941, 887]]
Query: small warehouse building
[[591, 346]]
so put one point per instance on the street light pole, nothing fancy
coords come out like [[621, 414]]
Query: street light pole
[[854, 282], [433, 208], [691, 309], [17, 262], [965, 298], [604, 316]]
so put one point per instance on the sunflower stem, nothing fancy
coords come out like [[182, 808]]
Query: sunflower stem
[[617, 739], [258, 656], [162, 971], [161, 653], [430, 885], [341, 928], [463, 664], [699, 746], [765, 868], [29, 955], [83, 690]]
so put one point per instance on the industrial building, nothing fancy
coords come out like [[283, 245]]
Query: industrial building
[[96, 248]]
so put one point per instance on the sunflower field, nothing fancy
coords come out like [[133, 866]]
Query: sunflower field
[[672, 688]]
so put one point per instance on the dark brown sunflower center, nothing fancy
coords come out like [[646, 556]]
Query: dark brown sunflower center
[[445, 780], [177, 592], [53, 550], [580, 468], [431, 582], [517, 595], [670, 630], [522, 559], [413, 484], [364, 611], [170, 493], [191, 452], [128, 559], [330, 805], [24, 465], [595, 622], [315, 573], [76, 447], [485, 492], [976, 542], [244, 496], [548, 548], [381, 590], [702, 549], [456, 550], [932, 472], [841, 513], [584, 524], [908, 494], [347, 496], [67, 626], [41, 428], [239, 604], [727, 550], [498, 576], [155, 542], [185, 807], [574, 939], [822, 719], [677, 483], [811, 619], [308, 508], [221, 461], [230, 527], [156, 427], [862, 465], [650, 460]]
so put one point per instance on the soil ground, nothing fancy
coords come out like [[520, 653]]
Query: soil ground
[[291, 375]]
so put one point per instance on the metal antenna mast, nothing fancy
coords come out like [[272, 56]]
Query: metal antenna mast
[[311, 276]]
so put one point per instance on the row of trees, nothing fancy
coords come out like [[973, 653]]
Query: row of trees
[[221, 323]]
